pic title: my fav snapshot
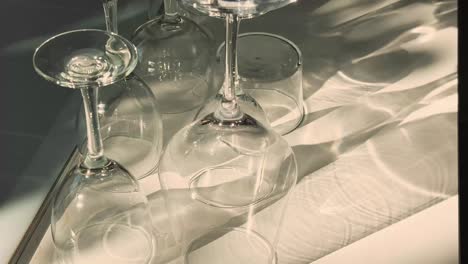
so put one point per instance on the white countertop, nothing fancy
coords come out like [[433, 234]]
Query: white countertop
[[377, 155]]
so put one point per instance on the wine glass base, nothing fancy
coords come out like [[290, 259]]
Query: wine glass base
[[84, 58], [175, 62]]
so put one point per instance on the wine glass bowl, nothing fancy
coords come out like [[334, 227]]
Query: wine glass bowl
[[96, 212], [227, 163], [176, 59], [99, 206]]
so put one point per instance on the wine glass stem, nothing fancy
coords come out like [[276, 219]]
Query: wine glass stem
[[110, 12], [170, 8], [230, 80], [95, 156], [238, 89]]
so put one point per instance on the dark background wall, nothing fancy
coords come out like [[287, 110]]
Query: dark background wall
[[29, 105]]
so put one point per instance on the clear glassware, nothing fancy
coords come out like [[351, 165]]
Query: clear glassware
[[131, 122], [241, 8], [99, 207], [270, 77], [129, 118], [176, 60], [248, 104], [110, 14], [234, 167]]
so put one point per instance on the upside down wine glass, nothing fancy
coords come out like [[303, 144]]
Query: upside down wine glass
[[176, 59], [129, 118], [99, 207], [234, 167], [269, 80]]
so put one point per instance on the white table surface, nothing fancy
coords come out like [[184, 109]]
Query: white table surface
[[377, 158]]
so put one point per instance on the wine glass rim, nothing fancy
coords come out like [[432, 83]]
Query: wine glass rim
[[289, 42], [133, 61]]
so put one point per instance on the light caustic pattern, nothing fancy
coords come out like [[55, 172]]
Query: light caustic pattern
[[374, 147], [386, 148], [379, 139]]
